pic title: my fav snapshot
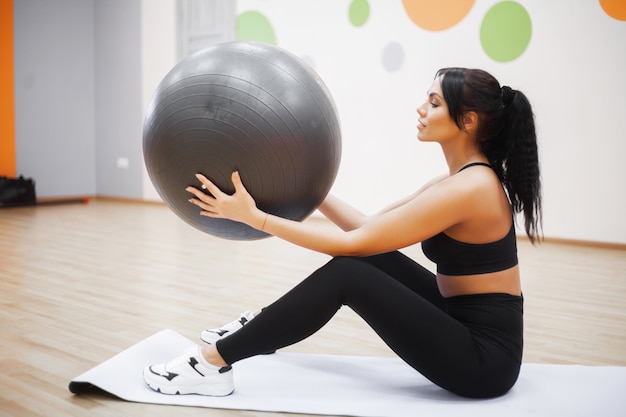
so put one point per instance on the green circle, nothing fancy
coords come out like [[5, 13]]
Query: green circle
[[253, 26], [505, 31], [359, 12]]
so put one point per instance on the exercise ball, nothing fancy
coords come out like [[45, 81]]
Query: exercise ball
[[248, 107]]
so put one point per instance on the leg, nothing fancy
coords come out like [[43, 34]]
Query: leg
[[421, 333], [472, 347], [395, 264], [411, 274]]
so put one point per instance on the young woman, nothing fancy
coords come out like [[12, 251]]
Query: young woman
[[461, 327]]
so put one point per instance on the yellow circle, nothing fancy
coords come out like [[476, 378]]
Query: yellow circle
[[437, 15]]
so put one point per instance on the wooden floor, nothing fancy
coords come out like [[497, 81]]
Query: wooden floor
[[81, 282]]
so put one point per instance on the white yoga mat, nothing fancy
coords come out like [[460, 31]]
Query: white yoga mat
[[361, 386]]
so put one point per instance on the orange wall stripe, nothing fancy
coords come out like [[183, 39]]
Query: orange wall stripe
[[7, 91]]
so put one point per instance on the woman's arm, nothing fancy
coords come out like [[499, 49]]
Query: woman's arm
[[349, 218], [342, 214], [408, 198], [431, 211]]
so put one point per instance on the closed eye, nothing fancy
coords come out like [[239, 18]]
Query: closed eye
[[432, 96]]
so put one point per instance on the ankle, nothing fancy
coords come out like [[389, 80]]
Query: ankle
[[212, 356]]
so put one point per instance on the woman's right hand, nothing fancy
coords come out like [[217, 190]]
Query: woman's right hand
[[240, 206]]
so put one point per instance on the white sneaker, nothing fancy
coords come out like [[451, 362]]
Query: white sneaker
[[213, 335], [187, 375]]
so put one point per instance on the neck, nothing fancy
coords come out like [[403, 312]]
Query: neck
[[461, 156]]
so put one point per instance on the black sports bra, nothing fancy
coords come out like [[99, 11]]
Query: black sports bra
[[454, 257]]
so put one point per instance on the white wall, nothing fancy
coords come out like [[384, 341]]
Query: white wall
[[578, 87], [158, 56]]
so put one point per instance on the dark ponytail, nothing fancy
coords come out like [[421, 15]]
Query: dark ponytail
[[520, 162], [506, 135]]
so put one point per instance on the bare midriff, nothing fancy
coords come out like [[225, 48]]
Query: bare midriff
[[504, 282]]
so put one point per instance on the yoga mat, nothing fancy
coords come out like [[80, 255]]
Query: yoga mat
[[361, 386]]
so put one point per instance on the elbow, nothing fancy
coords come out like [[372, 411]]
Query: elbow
[[351, 246], [352, 254]]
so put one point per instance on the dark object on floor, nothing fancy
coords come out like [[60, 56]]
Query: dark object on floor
[[17, 192]]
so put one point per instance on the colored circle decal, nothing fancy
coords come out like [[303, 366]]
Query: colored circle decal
[[253, 26], [614, 8], [437, 15], [359, 12], [393, 56], [505, 31]]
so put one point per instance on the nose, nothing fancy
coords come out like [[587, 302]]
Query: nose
[[420, 110]]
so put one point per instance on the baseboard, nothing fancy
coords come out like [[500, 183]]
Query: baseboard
[[63, 200], [584, 243], [129, 200]]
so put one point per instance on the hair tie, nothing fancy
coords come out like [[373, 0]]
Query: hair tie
[[506, 95]]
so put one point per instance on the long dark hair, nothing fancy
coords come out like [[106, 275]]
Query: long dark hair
[[505, 134]]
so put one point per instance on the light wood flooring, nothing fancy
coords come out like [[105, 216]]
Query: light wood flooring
[[79, 283]]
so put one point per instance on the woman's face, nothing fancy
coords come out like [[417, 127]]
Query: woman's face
[[434, 123]]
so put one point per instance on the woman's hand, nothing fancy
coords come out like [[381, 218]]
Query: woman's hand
[[239, 207]]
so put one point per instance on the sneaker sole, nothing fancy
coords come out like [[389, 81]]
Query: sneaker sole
[[220, 389]]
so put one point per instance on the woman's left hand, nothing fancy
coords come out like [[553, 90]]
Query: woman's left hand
[[239, 207]]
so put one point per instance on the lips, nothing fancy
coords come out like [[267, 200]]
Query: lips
[[420, 125]]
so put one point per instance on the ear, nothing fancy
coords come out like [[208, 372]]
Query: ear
[[470, 121]]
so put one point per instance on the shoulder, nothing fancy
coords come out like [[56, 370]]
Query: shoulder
[[474, 190], [476, 177]]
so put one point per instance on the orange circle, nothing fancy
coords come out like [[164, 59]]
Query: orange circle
[[614, 8], [437, 15]]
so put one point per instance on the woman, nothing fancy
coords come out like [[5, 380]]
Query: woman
[[461, 327]]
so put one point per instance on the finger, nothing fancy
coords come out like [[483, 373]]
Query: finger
[[207, 209], [210, 187], [210, 214], [199, 203], [236, 179], [202, 204], [199, 194]]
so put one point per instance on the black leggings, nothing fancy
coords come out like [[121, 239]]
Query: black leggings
[[470, 345]]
